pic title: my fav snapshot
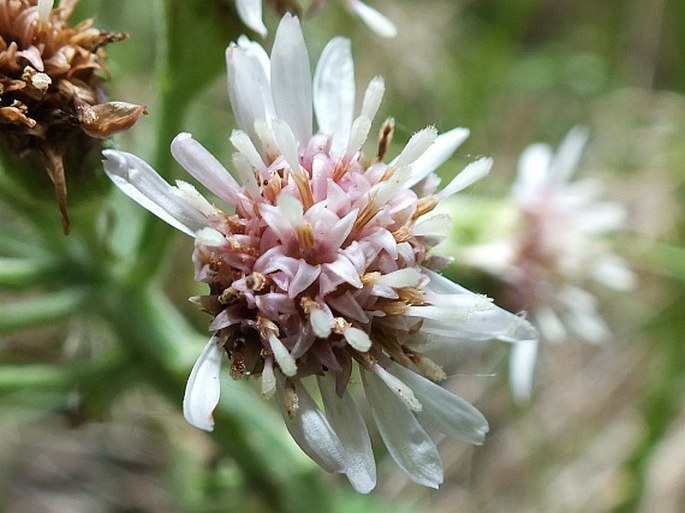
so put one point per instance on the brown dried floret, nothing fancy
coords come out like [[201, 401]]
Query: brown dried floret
[[52, 94]]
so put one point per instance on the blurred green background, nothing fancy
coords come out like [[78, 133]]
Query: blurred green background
[[90, 387]]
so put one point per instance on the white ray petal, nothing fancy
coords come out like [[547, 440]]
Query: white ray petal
[[407, 442], [521, 369], [334, 92], [569, 153], [291, 78], [470, 174], [142, 184], [203, 387], [533, 171], [250, 12], [448, 412], [249, 86], [350, 427], [242, 142], [417, 145], [357, 137], [372, 18], [311, 430], [399, 388], [437, 154], [204, 167], [373, 97]]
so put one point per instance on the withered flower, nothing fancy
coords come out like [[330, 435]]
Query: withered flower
[[52, 91]]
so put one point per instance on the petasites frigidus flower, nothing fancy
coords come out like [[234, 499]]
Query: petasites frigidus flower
[[557, 247], [321, 262], [52, 87], [250, 12]]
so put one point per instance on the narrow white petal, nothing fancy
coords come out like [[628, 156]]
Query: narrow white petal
[[358, 339], [242, 142], [350, 427], [249, 87], [373, 97], [142, 184], [492, 323], [533, 171], [390, 188], [521, 369], [470, 174], [612, 271], [291, 78], [372, 18], [287, 144], [549, 324], [442, 149], [448, 412], [312, 431], [250, 12], [190, 195], [204, 167], [398, 387], [568, 155], [357, 136], [417, 145], [203, 387], [334, 92], [246, 173], [407, 442], [283, 357]]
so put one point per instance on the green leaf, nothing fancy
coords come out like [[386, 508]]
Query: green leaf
[[40, 310]]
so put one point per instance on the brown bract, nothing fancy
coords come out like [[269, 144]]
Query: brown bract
[[52, 87]]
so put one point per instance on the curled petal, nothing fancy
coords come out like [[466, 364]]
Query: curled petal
[[250, 12], [203, 387], [142, 184]]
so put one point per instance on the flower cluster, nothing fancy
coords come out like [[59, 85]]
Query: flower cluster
[[52, 86], [321, 265], [250, 12], [558, 245]]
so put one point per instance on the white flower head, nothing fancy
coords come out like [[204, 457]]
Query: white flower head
[[250, 12], [560, 246], [318, 263]]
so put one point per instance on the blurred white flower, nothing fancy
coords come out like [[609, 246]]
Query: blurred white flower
[[319, 265], [250, 12], [558, 246]]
